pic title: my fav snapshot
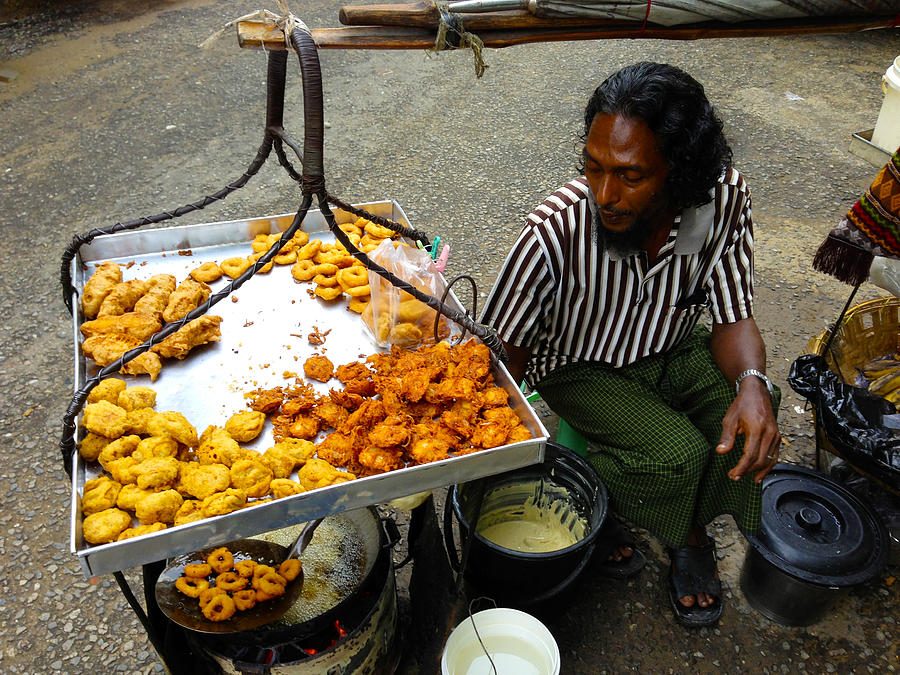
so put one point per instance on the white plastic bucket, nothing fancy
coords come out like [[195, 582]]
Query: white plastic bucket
[[517, 642], [887, 129]]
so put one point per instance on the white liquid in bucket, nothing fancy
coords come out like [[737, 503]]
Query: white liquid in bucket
[[517, 642], [511, 655]]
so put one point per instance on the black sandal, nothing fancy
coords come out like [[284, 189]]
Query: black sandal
[[693, 571], [611, 538]]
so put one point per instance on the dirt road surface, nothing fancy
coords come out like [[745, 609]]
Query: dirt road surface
[[110, 111]]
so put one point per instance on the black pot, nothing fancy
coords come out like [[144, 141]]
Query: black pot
[[517, 578], [817, 541]]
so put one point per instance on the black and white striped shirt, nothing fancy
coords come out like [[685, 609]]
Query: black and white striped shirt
[[559, 295]]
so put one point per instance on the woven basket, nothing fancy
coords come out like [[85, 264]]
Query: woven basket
[[868, 330]]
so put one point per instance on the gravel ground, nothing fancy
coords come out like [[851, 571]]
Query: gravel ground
[[115, 113]]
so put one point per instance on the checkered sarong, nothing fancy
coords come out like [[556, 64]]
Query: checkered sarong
[[654, 426]]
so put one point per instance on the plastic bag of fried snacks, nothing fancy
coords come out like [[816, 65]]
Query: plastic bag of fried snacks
[[394, 317]]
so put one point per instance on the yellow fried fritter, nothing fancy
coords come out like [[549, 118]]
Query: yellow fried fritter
[[132, 532], [99, 494], [188, 296], [246, 425], [174, 424], [122, 297], [203, 480], [251, 476], [107, 390], [200, 331], [98, 286], [139, 325], [159, 507], [156, 299], [221, 503], [134, 398], [104, 418], [105, 526]]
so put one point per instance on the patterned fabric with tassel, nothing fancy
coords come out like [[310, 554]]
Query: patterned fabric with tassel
[[870, 228]]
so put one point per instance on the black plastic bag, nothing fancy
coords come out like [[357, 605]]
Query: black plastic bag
[[850, 417]]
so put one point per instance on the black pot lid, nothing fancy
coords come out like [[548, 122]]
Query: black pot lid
[[817, 530]]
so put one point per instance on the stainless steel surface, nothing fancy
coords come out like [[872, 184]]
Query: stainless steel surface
[[264, 327]]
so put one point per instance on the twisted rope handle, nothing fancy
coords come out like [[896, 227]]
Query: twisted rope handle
[[277, 68], [313, 182]]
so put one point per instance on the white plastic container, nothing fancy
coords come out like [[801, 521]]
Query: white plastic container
[[887, 129], [517, 642]]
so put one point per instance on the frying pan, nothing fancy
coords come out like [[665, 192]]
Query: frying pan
[[186, 611]]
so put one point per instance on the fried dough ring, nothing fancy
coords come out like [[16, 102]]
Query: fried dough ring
[[329, 293], [235, 267], [290, 569], [272, 584], [358, 304], [259, 572], [358, 291], [231, 581], [326, 280], [379, 231], [191, 586], [355, 275], [221, 560], [265, 269], [264, 597], [245, 599], [351, 228], [326, 274], [208, 594], [304, 270], [220, 608], [299, 239], [245, 568], [208, 272], [285, 258], [309, 250], [334, 257], [198, 570]]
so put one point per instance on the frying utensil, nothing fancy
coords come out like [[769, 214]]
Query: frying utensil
[[186, 611]]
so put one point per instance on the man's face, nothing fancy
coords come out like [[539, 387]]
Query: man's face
[[627, 176]]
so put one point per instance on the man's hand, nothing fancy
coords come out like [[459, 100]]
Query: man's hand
[[751, 415], [735, 348]]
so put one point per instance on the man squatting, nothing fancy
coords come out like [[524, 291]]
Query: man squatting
[[598, 304]]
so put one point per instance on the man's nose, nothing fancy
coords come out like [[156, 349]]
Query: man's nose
[[607, 192]]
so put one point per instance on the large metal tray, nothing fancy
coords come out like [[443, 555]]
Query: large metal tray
[[265, 325]]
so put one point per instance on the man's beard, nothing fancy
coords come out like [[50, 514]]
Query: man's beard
[[626, 242]]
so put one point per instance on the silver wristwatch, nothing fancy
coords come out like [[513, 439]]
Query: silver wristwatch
[[761, 375]]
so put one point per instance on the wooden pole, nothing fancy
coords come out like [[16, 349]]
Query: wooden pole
[[258, 35]]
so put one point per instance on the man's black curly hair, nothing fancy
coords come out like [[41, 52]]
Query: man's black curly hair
[[688, 132]]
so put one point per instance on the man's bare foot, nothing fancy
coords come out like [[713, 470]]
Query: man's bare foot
[[698, 537]]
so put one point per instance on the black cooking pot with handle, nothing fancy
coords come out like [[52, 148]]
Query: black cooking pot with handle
[[517, 578], [817, 540]]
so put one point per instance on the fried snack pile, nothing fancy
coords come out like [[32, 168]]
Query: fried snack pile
[[397, 409], [156, 468], [223, 587], [123, 315], [330, 267]]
